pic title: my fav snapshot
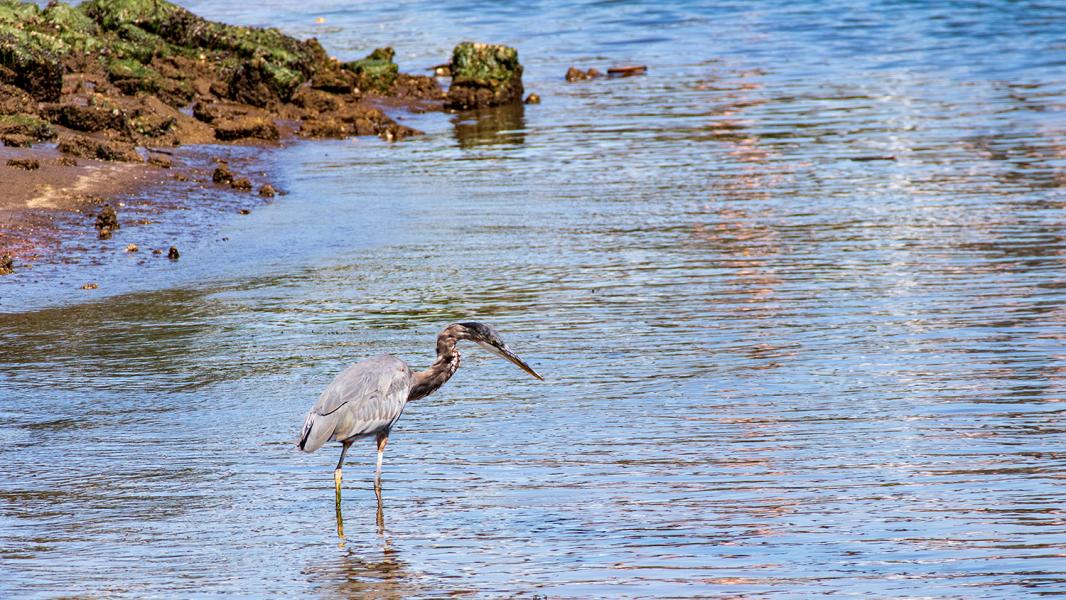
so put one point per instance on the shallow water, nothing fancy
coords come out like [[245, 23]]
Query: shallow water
[[797, 294]]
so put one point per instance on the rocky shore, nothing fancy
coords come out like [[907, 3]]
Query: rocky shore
[[101, 97]]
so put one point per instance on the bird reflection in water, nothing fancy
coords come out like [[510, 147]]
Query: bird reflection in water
[[360, 571], [380, 517]]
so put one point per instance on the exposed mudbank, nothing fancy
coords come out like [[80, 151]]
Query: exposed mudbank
[[124, 80]]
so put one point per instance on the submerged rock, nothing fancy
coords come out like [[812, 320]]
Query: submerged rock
[[7, 264], [241, 184], [107, 219], [160, 161], [173, 253], [394, 132], [484, 75], [222, 174], [267, 191], [576, 74], [532, 99]]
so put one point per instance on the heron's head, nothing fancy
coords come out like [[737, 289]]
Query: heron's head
[[487, 338]]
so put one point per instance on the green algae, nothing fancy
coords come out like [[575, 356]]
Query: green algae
[[484, 75], [266, 59], [27, 125], [36, 43], [128, 68], [68, 20], [35, 68], [376, 72], [13, 11], [486, 63]]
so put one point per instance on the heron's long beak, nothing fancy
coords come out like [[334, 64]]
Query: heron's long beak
[[511, 356], [505, 352]]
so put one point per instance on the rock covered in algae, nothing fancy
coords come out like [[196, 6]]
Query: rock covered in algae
[[376, 72], [484, 75], [29, 61], [261, 65], [121, 69], [26, 125], [265, 65]]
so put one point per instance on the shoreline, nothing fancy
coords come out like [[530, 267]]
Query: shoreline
[[121, 93]]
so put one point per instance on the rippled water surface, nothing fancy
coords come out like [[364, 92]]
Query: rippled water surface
[[798, 295]]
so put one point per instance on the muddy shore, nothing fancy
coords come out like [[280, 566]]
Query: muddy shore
[[116, 96]]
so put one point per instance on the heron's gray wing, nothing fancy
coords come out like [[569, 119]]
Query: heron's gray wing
[[366, 398]]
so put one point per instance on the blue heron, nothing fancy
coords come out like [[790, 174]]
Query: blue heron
[[367, 398]]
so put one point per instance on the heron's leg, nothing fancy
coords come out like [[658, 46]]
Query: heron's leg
[[381, 510], [337, 472], [383, 438], [340, 524]]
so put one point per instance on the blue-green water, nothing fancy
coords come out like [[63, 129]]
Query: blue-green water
[[798, 295]]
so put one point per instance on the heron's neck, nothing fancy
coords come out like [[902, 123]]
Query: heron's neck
[[428, 381]]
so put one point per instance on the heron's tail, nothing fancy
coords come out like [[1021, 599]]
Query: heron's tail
[[314, 433], [309, 424]]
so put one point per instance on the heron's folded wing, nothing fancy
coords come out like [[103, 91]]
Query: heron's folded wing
[[365, 398]]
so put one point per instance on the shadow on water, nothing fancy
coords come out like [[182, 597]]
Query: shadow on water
[[504, 125]]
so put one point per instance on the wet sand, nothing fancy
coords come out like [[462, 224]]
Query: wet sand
[[37, 206]]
